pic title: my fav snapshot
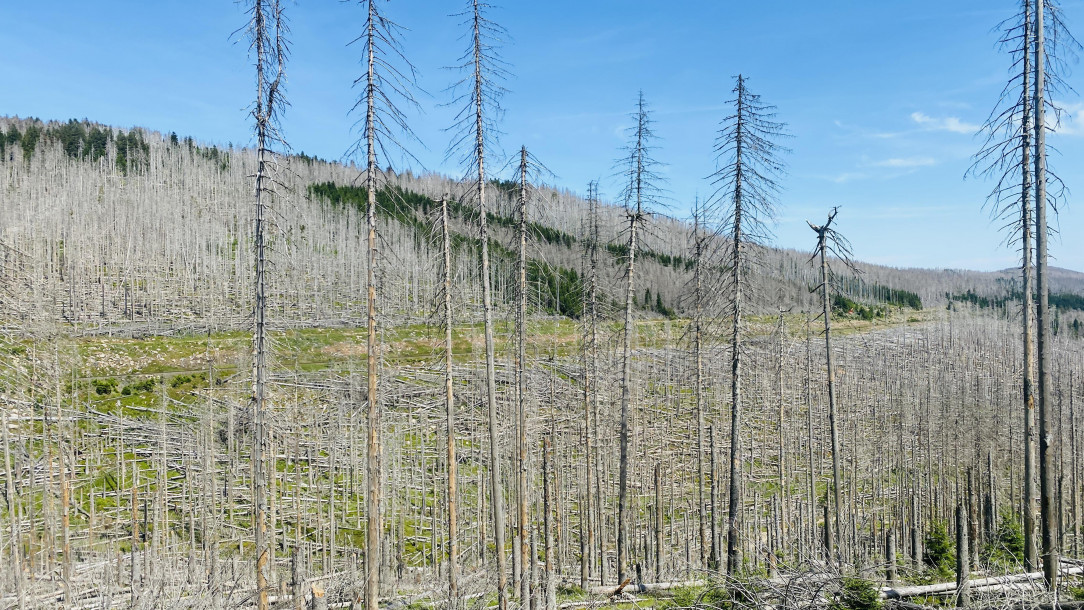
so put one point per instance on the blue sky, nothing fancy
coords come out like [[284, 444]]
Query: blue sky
[[882, 98]]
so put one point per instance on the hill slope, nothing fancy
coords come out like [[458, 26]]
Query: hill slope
[[109, 229]]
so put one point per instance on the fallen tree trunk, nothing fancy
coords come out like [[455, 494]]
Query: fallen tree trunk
[[1073, 605], [980, 583], [644, 588]]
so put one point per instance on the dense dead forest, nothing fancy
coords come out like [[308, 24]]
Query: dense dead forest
[[241, 377]]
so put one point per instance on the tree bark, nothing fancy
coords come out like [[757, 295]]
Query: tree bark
[[1047, 443]]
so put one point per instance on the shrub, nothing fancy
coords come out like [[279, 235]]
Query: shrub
[[1007, 545], [706, 598], [104, 387], [857, 594], [940, 552], [143, 386]]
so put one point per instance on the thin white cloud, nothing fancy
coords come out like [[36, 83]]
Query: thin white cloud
[[846, 177], [905, 162], [952, 124]]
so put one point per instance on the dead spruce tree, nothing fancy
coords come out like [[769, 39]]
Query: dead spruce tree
[[640, 194], [1005, 157], [831, 242], [266, 33], [475, 132], [591, 393], [750, 165], [702, 247], [388, 79], [1014, 154], [449, 407], [528, 167], [1054, 47]]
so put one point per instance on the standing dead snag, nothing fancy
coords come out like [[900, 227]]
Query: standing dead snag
[[474, 129], [696, 332], [527, 166], [382, 83], [449, 405], [592, 385], [828, 240], [1039, 46], [746, 184], [1048, 64], [267, 41], [1005, 156], [640, 192], [9, 493]]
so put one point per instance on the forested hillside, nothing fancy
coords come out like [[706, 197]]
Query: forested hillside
[[127, 374], [125, 230]]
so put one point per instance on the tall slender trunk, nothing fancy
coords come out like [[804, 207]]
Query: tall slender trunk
[[658, 524], [587, 534], [832, 418], [1027, 306], [65, 500], [626, 398], [487, 317], [734, 504], [9, 491], [698, 389], [1047, 484], [548, 486], [809, 433], [374, 497], [596, 396], [259, 441], [449, 405], [521, 376], [781, 465]]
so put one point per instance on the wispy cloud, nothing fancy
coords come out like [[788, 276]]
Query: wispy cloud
[[905, 162], [952, 124], [846, 177]]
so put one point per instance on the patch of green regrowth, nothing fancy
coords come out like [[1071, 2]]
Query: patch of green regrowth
[[1006, 547], [856, 594], [939, 553], [140, 386], [104, 387]]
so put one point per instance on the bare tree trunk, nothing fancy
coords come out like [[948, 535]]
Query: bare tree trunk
[[487, 317], [270, 56], [65, 499], [521, 377], [595, 398], [832, 417], [781, 465], [809, 434], [698, 389], [734, 505], [963, 564], [1027, 307], [16, 563], [626, 395], [374, 498], [1047, 444], [890, 557], [547, 524], [658, 524], [449, 405], [713, 555]]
